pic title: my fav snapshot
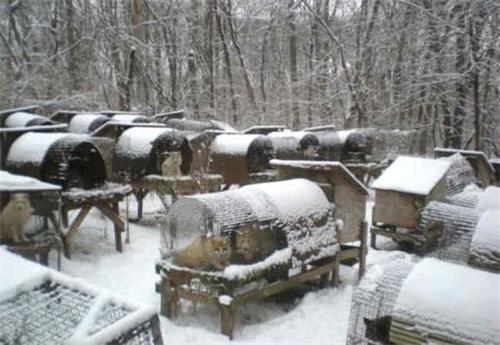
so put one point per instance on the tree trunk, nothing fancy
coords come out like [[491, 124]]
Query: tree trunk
[[292, 41]]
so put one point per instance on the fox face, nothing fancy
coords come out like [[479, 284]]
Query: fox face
[[20, 201], [222, 248]]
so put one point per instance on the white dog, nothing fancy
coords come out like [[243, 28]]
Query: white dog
[[14, 217]]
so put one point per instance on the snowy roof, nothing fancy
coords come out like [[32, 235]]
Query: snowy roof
[[127, 118], [466, 153], [489, 199], [233, 144], [81, 123], [32, 147], [264, 127], [12, 183], [224, 126], [412, 175], [318, 165], [451, 300], [320, 128], [69, 310], [485, 244], [138, 141], [20, 119]]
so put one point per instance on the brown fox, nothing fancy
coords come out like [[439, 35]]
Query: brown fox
[[205, 253], [253, 244], [171, 166], [14, 217]]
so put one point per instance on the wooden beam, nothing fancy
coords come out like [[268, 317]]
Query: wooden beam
[[75, 225]]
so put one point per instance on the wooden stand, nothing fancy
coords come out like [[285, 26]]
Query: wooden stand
[[105, 200], [173, 186], [223, 293], [38, 252]]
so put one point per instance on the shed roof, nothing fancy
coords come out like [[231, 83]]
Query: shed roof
[[32, 147], [412, 175], [451, 300], [440, 151], [233, 144], [321, 165], [16, 183], [80, 123]]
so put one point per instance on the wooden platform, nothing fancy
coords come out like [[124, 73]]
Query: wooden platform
[[105, 199], [230, 294]]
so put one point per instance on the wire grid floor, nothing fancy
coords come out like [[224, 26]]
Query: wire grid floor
[[50, 313], [375, 298]]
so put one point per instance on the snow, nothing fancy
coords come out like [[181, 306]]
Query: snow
[[224, 126], [11, 183], [233, 272], [233, 144], [467, 153], [344, 134], [20, 119], [325, 128], [80, 123], [126, 118], [486, 239], [412, 175], [32, 147], [138, 141], [489, 199], [451, 300], [297, 135]]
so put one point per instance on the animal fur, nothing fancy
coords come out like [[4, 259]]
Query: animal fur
[[14, 217], [171, 166], [205, 253], [253, 244]]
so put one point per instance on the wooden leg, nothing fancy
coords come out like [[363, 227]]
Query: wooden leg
[[64, 216], [363, 250], [227, 321], [73, 229], [112, 212], [324, 279], [335, 273], [373, 241], [169, 301], [44, 257]]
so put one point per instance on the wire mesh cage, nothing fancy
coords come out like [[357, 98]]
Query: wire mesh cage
[[44, 307], [374, 299], [459, 175]]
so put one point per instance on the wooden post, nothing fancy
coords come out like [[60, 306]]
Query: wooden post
[[227, 321], [363, 250], [335, 273], [324, 279], [373, 241], [64, 216], [168, 301], [73, 229], [118, 229], [112, 211]]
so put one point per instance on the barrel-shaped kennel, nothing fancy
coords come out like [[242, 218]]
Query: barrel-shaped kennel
[[402, 302], [236, 156], [142, 150], [86, 123], [130, 118], [294, 145], [332, 144], [23, 119], [65, 159], [296, 208]]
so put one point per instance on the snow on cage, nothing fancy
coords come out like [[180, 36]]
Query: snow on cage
[[485, 244], [236, 156], [297, 209], [489, 199], [294, 145], [68, 160], [23, 119], [41, 306], [141, 151], [86, 123], [460, 174], [129, 118], [432, 301]]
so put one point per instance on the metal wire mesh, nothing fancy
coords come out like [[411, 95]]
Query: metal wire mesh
[[375, 298], [457, 227], [459, 175], [50, 313]]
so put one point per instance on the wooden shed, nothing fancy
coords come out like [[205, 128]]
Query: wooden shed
[[295, 214], [405, 187], [485, 172], [140, 151], [68, 160], [294, 145], [236, 156], [86, 122], [24, 119]]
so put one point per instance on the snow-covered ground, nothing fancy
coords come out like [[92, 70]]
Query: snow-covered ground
[[318, 317]]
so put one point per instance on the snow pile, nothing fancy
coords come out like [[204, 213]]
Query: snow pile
[[412, 175], [485, 245], [279, 257], [233, 144], [138, 141], [32, 147], [127, 118], [81, 123], [12, 183], [490, 199], [21, 119], [451, 300]]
